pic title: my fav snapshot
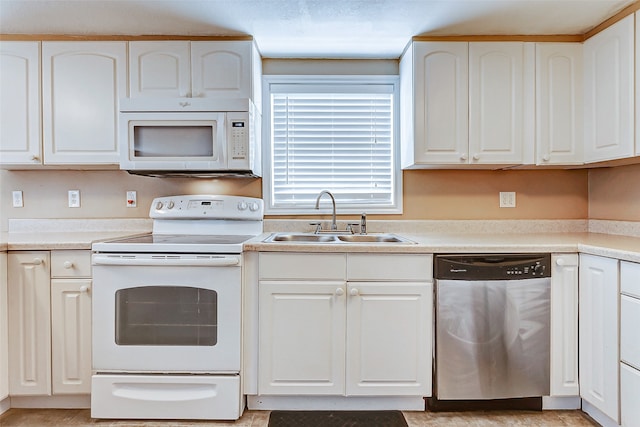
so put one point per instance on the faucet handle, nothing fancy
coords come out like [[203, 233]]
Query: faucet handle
[[350, 227], [318, 227]]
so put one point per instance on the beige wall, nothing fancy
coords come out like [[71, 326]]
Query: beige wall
[[435, 194], [614, 193]]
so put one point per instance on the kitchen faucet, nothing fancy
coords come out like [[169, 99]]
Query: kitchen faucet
[[334, 225]]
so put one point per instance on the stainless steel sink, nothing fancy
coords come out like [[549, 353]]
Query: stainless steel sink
[[301, 238], [373, 238], [336, 238]]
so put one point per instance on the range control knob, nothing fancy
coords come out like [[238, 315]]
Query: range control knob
[[170, 205], [242, 206], [159, 206], [253, 207]]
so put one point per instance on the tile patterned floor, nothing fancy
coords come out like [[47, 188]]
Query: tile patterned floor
[[81, 417]]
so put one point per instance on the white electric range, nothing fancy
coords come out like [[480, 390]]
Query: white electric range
[[167, 312]]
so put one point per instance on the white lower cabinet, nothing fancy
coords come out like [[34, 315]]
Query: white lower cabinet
[[629, 344], [598, 334], [50, 322], [344, 333], [564, 325], [4, 343]]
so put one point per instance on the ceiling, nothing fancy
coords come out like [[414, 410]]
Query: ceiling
[[308, 28]]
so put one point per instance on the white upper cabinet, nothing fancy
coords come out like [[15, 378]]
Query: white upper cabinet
[[497, 97], [467, 103], [637, 83], [435, 81], [20, 136], [81, 85], [559, 112], [159, 68], [205, 69], [609, 93]]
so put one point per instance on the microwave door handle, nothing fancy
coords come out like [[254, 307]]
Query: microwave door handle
[[199, 262]]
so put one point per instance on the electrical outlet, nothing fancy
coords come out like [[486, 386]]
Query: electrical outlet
[[18, 202], [74, 198], [132, 199], [507, 199]]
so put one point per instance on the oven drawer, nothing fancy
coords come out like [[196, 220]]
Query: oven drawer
[[70, 263], [165, 397]]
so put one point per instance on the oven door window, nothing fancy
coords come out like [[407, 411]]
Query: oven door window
[[166, 315]]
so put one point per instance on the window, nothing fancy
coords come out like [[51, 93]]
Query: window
[[333, 134]]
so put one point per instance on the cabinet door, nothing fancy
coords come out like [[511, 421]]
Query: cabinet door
[[81, 86], [221, 69], [441, 103], [29, 321], [302, 338], [637, 83], [559, 124], [564, 325], [4, 330], [71, 336], [598, 333], [389, 336], [159, 69], [609, 94], [20, 135], [496, 102]]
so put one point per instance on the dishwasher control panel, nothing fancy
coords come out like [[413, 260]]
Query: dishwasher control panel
[[492, 266]]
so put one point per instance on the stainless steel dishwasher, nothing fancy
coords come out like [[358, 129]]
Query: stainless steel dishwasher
[[492, 326]]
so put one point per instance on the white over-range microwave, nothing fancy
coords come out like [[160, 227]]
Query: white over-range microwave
[[190, 137]]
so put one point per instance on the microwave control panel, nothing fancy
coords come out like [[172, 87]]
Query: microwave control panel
[[238, 137]]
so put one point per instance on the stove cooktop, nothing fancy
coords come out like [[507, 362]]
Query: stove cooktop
[[174, 243]]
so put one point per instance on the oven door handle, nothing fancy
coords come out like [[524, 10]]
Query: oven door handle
[[197, 262]]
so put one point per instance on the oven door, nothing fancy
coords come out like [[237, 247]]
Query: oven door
[[166, 313]]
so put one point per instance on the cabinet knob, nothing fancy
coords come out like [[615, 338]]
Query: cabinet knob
[[354, 292], [476, 156], [37, 261], [463, 157], [339, 291], [35, 158], [546, 158], [67, 264], [560, 262], [84, 289]]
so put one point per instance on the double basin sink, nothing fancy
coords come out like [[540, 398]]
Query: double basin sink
[[336, 238]]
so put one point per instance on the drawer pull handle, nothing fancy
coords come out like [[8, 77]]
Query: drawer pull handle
[[67, 264]]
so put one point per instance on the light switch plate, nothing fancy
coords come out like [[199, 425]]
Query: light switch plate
[[74, 198], [18, 202], [507, 199]]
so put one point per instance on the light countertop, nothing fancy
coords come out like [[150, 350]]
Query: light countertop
[[37, 235]]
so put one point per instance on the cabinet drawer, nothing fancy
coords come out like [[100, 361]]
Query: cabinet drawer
[[302, 266], [630, 278], [629, 335], [629, 392], [390, 267], [70, 263]]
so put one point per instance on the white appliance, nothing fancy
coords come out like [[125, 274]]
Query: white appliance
[[190, 136], [167, 312]]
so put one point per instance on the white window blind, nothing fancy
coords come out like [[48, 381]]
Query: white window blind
[[332, 137]]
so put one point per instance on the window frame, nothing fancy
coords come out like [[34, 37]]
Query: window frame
[[329, 81]]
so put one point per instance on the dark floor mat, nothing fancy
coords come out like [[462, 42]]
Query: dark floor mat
[[336, 419]]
